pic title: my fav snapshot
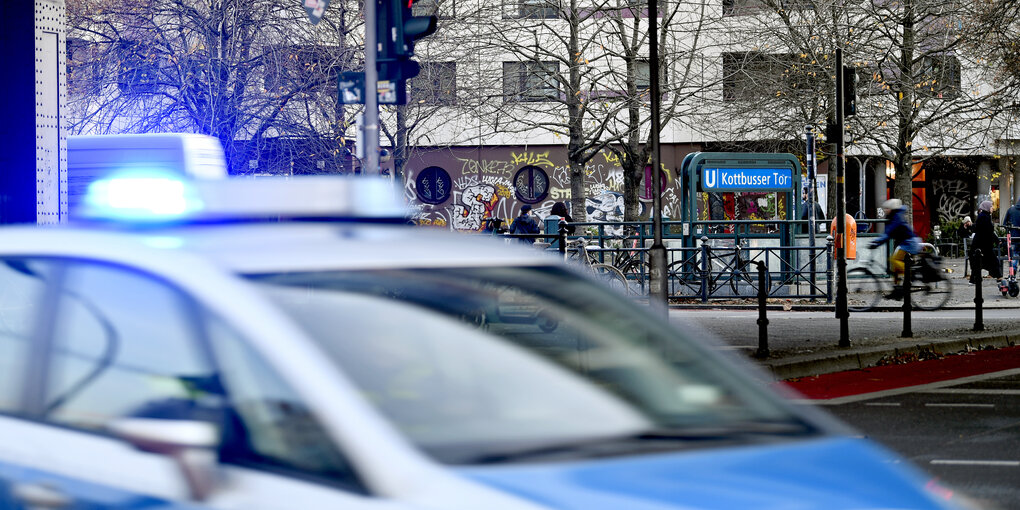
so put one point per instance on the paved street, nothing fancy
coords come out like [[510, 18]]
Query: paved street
[[965, 434]]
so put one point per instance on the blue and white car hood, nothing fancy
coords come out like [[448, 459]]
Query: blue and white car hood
[[828, 473]]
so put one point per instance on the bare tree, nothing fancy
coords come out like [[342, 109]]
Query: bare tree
[[253, 73], [919, 94]]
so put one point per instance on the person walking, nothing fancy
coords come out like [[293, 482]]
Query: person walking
[[560, 209], [525, 224], [986, 241], [904, 239], [805, 211]]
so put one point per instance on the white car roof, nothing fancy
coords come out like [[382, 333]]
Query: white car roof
[[280, 246]]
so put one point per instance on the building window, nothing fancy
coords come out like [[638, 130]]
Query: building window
[[433, 185], [303, 69], [83, 67], [530, 81], [539, 9], [751, 76], [531, 184], [436, 84], [137, 72], [939, 77], [443, 9], [751, 7], [643, 75]]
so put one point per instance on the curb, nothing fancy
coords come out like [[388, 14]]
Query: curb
[[817, 364]]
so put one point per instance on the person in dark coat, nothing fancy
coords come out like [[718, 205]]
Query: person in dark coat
[[560, 209], [525, 224], [986, 241]]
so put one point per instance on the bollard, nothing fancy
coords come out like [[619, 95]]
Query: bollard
[[705, 264], [828, 268], [907, 262], [562, 237], [975, 278], [763, 321]]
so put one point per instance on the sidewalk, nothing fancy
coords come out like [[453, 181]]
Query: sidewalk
[[873, 352]]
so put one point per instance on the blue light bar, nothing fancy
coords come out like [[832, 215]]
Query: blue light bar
[[141, 197], [154, 198]]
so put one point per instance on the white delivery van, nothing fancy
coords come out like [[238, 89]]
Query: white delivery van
[[91, 157]]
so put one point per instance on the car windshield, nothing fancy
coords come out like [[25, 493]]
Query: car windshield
[[482, 364]]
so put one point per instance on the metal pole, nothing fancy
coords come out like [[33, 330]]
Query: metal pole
[[370, 132], [810, 158], [705, 264], [979, 314], [763, 321], [657, 252], [842, 313], [907, 276]]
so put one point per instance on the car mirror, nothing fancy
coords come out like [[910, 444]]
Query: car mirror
[[191, 444]]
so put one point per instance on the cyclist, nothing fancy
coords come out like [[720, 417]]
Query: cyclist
[[903, 238]]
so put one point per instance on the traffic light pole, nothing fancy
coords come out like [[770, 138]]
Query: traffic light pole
[[842, 313], [370, 129]]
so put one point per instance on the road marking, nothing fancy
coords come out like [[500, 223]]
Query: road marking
[[963, 391], [959, 405], [883, 404], [1000, 463]]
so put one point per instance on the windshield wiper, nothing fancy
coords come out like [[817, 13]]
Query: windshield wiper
[[651, 440]]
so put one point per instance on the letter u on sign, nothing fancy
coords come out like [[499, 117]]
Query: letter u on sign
[[710, 177]]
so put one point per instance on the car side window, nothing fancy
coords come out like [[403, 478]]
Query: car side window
[[125, 344], [279, 431], [22, 283]]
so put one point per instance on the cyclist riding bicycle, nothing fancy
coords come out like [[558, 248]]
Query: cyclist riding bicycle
[[904, 239]]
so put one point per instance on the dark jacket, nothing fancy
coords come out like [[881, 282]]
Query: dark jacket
[[986, 241], [897, 230], [524, 224], [819, 215], [1012, 220]]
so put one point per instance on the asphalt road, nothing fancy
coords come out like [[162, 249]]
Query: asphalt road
[[965, 434], [801, 332]]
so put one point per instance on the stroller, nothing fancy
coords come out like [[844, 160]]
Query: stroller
[[1008, 285]]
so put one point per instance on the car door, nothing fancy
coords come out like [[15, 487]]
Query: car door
[[125, 343], [29, 476]]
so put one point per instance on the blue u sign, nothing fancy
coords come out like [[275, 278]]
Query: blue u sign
[[746, 179]]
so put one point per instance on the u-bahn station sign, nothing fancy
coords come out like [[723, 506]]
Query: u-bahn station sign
[[746, 179]]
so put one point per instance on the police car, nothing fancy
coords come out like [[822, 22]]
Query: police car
[[293, 344]]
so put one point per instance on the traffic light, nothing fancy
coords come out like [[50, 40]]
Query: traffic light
[[397, 29], [849, 91]]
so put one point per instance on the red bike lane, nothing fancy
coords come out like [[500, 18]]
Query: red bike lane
[[887, 377]]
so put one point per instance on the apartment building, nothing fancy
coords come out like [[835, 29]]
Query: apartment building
[[514, 98]]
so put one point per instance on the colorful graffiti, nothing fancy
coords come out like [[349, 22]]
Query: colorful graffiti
[[483, 189]]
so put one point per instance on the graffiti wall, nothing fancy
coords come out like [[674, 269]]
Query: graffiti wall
[[463, 189]]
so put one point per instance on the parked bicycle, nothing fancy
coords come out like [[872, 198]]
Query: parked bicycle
[[869, 284], [727, 265], [579, 253]]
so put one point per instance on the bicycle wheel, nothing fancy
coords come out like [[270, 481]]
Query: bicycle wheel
[[638, 276], [744, 280], [864, 290], [611, 275], [929, 295], [683, 278]]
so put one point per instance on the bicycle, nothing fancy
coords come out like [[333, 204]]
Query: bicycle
[[727, 263], [929, 288], [631, 263], [577, 252]]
